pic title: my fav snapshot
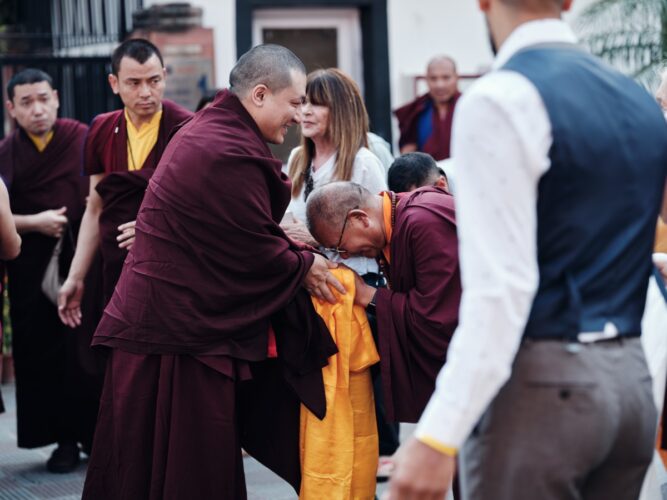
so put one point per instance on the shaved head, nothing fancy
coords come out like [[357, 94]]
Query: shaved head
[[329, 205], [441, 59], [442, 79], [270, 65]]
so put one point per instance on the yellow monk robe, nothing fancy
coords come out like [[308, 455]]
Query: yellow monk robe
[[141, 142], [40, 143], [339, 454]]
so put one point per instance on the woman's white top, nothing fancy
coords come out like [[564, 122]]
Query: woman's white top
[[366, 171]]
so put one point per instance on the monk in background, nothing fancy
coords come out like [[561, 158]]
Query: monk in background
[[425, 124], [40, 162], [121, 152], [211, 288]]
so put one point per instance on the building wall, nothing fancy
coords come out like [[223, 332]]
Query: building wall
[[221, 16], [418, 30]]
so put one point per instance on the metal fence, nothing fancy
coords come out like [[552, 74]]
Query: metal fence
[[81, 82]]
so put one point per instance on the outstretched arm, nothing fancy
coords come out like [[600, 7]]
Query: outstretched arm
[[49, 222], [70, 294]]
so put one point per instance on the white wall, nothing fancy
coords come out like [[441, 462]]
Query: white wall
[[419, 30], [221, 16]]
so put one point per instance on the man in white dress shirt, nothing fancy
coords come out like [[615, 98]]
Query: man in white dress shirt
[[561, 165]]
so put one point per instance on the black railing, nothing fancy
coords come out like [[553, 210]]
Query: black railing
[[81, 82], [54, 26]]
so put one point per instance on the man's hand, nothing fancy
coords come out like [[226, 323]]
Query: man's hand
[[363, 293], [421, 473], [319, 278], [69, 302], [126, 237], [51, 222]]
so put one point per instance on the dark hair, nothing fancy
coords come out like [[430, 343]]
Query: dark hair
[[138, 49], [412, 170], [26, 77], [267, 64]]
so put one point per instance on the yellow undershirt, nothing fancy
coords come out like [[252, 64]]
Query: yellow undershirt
[[141, 142], [40, 143]]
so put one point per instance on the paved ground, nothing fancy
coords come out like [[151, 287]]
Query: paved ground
[[23, 475]]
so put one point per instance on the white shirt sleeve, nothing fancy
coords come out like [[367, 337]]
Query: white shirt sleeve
[[501, 140], [368, 172]]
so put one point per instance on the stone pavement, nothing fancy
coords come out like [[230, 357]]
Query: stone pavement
[[23, 474]]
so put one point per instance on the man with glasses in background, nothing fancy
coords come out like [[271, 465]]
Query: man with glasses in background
[[413, 236]]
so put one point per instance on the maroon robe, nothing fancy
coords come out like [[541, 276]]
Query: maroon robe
[[122, 190], [418, 315], [52, 397], [439, 142], [209, 272]]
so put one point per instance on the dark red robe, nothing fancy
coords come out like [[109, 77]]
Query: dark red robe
[[122, 190], [438, 144], [55, 397], [209, 272], [418, 315]]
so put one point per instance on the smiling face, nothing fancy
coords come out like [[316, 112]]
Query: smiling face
[[279, 110], [140, 86], [34, 107], [314, 120]]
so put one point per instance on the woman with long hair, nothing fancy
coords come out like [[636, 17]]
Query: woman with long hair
[[334, 147]]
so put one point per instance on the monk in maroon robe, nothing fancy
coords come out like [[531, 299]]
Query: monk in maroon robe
[[122, 190], [425, 124], [118, 170], [41, 163], [209, 275], [413, 235]]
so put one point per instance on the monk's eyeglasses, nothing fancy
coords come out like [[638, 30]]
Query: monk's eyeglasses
[[337, 249]]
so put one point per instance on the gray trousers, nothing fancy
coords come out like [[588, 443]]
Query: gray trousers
[[566, 426]]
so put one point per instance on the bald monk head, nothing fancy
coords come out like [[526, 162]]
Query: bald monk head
[[347, 218], [270, 82], [442, 79]]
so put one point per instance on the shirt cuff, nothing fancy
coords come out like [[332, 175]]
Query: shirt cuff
[[438, 446], [442, 423]]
